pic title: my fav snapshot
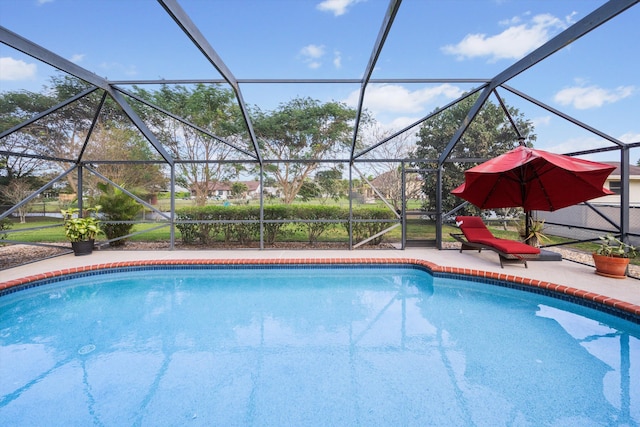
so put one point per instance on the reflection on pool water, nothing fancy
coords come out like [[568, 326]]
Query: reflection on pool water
[[309, 346]]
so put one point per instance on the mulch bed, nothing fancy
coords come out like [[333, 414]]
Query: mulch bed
[[16, 255]]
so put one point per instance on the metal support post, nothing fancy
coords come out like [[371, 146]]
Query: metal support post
[[404, 206], [439, 171], [261, 206], [172, 214], [351, 206], [80, 195], [624, 194]]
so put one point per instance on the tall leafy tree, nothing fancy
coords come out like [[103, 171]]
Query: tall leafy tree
[[330, 183], [238, 189], [58, 134], [109, 141], [14, 192], [62, 134], [387, 170], [15, 108], [302, 129], [489, 134], [209, 107]]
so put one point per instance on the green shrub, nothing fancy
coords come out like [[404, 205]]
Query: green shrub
[[364, 230], [244, 233], [5, 224], [200, 232], [188, 231], [117, 206], [316, 229], [273, 230], [206, 224]]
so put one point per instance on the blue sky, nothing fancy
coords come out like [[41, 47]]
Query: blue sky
[[594, 80]]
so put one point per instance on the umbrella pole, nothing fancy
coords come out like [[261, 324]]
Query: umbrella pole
[[527, 221]]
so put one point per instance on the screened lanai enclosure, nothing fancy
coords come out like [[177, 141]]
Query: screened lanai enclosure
[[342, 123]]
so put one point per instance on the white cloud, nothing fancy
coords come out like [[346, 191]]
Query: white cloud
[[128, 70], [570, 19], [390, 98], [571, 145], [578, 144], [630, 137], [337, 7], [311, 55], [41, 2], [401, 123], [511, 21], [541, 121], [337, 59], [585, 97], [16, 69], [513, 43], [312, 51], [78, 57]]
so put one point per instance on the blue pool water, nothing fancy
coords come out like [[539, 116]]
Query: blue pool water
[[339, 346]]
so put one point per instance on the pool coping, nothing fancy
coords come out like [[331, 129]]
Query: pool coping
[[632, 311]]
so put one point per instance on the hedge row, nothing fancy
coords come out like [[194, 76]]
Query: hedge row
[[212, 222]]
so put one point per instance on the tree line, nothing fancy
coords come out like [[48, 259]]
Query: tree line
[[202, 128]]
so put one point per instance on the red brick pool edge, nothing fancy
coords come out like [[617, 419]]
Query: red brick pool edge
[[579, 293]]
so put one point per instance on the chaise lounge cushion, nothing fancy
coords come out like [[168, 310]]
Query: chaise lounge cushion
[[509, 246], [476, 231]]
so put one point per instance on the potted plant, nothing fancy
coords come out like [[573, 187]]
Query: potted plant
[[612, 257], [81, 231]]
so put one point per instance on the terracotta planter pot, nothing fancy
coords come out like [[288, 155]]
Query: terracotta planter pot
[[84, 247], [614, 267]]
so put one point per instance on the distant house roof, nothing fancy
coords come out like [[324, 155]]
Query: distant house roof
[[633, 170], [381, 179]]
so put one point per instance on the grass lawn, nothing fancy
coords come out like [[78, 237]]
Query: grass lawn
[[56, 231], [53, 234]]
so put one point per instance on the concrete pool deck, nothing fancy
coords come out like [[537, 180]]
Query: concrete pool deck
[[564, 273]]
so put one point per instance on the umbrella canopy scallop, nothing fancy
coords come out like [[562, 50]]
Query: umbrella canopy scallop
[[534, 180]]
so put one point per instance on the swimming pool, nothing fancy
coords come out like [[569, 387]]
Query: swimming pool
[[309, 345]]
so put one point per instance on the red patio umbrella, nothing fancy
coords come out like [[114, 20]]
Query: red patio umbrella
[[534, 180]]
